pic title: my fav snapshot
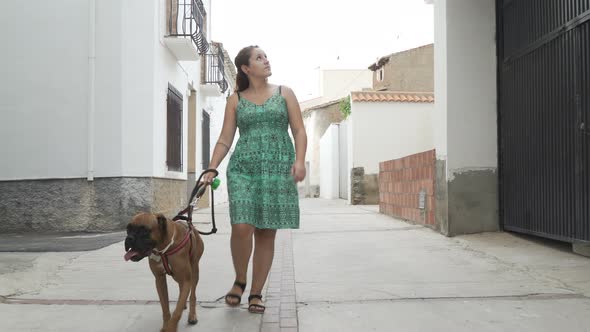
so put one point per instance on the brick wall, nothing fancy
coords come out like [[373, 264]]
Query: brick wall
[[400, 183]]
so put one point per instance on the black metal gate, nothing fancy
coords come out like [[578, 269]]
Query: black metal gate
[[544, 120]]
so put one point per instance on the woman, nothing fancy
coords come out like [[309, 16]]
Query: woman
[[262, 172]]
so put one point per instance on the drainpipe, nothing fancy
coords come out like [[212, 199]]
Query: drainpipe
[[91, 86]]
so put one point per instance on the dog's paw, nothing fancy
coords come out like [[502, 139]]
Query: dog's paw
[[193, 321]]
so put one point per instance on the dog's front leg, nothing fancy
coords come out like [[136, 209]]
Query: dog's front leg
[[180, 305], [162, 288]]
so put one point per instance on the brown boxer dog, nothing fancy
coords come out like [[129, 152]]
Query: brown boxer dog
[[173, 249]]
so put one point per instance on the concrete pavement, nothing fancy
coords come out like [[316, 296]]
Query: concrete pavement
[[348, 268]]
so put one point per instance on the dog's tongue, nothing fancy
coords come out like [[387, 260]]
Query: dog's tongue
[[130, 254]]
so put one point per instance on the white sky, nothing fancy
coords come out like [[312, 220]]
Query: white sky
[[301, 36]]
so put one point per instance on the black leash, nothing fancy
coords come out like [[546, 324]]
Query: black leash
[[197, 192]]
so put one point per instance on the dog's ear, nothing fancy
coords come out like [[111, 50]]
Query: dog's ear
[[162, 224]]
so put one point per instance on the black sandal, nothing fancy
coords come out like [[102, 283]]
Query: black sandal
[[235, 296], [255, 308]]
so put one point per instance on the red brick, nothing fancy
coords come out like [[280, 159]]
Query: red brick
[[429, 187], [431, 155], [430, 218]]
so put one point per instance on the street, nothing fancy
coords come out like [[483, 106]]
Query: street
[[348, 268]]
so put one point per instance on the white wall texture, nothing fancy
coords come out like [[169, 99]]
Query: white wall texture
[[43, 90], [439, 117], [388, 130], [329, 163], [465, 121], [44, 93], [471, 89]]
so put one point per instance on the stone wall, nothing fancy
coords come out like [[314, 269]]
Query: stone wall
[[77, 205]]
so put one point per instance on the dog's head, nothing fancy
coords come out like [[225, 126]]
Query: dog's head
[[144, 232]]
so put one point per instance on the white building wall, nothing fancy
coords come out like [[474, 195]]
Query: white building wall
[[384, 131], [43, 90], [439, 117], [329, 164], [109, 89], [471, 89], [45, 97]]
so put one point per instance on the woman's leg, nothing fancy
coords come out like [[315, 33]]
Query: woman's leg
[[263, 254], [241, 249]]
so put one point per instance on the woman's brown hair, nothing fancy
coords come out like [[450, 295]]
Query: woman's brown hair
[[243, 58]]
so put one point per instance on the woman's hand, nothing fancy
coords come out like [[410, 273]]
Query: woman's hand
[[298, 171], [208, 177]]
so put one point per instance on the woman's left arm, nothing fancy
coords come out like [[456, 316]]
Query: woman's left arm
[[298, 130]]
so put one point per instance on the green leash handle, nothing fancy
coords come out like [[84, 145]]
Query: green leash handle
[[215, 184]]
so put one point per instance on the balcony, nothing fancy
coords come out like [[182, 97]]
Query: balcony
[[213, 71], [186, 36]]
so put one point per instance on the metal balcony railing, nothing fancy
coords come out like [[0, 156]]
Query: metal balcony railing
[[214, 72], [187, 20]]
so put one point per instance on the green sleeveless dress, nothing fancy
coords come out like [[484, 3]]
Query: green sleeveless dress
[[261, 190]]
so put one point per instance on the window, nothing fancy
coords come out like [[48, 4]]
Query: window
[[174, 130], [380, 75], [205, 130]]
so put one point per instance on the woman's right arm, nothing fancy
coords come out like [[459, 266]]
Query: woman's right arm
[[226, 138]]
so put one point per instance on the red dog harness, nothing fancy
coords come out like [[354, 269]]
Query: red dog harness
[[156, 255]]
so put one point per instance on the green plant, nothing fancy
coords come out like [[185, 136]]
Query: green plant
[[344, 107]]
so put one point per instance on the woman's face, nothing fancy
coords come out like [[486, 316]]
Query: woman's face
[[259, 65]]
